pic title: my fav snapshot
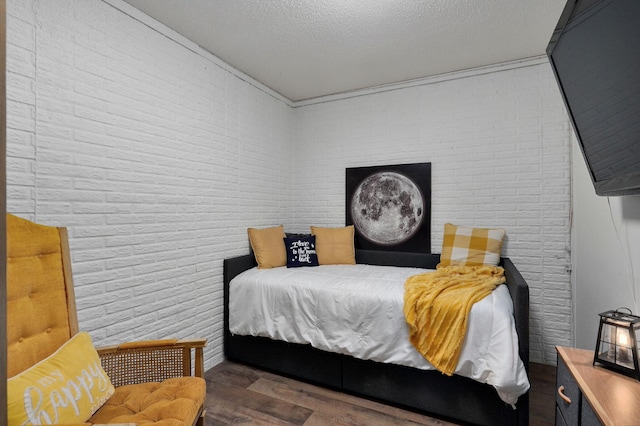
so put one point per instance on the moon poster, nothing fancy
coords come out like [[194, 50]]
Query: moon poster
[[390, 207]]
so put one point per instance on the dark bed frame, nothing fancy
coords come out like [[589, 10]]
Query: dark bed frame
[[450, 397]]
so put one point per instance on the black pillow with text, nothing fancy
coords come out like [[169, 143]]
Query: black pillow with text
[[301, 251]]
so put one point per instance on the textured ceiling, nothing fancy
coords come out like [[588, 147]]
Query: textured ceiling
[[305, 49]]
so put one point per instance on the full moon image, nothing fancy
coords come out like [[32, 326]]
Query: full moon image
[[387, 208]]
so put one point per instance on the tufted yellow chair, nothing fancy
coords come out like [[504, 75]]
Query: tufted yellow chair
[[41, 316]]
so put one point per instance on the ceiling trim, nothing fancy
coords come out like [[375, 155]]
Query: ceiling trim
[[160, 28], [145, 19], [454, 75]]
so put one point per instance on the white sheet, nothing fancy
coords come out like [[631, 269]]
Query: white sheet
[[357, 310]]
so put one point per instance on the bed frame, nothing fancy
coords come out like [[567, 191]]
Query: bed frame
[[450, 397]]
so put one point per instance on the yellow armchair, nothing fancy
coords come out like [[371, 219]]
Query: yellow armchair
[[153, 379]]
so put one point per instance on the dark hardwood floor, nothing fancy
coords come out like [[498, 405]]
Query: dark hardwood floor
[[238, 394]]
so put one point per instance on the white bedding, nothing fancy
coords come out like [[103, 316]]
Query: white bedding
[[357, 310]]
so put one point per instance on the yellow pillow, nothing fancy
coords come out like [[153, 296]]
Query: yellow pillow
[[268, 246], [464, 245], [334, 246], [66, 387]]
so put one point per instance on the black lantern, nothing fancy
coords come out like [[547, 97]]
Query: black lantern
[[617, 345]]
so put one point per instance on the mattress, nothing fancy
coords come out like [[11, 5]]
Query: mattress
[[357, 310]]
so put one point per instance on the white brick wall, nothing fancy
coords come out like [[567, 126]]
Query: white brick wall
[[154, 157], [499, 145], [157, 159]]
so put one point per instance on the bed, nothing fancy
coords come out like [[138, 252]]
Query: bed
[[454, 397]]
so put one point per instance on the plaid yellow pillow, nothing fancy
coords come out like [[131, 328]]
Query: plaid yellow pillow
[[463, 245]]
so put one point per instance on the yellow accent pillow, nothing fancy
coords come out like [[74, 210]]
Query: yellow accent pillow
[[268, 246], [334, 246], [464, 245], [66, 387]]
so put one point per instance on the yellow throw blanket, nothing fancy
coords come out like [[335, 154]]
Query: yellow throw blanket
[[436, 307]]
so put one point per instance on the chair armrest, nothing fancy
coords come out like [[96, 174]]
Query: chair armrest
[[152, 360]]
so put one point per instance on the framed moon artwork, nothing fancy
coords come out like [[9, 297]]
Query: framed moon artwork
[[390, 207]]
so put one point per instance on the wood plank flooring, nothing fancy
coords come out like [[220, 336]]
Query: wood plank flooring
[[238, 394]]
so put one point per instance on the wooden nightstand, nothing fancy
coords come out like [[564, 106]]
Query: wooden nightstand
[[592, 395]]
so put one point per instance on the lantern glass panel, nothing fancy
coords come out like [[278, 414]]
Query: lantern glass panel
[[624, 356], [607, 343]]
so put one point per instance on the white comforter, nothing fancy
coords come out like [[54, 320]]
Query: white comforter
[[357, 310]]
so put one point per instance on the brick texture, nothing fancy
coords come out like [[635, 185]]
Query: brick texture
[[157, 159], [499, 145]]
